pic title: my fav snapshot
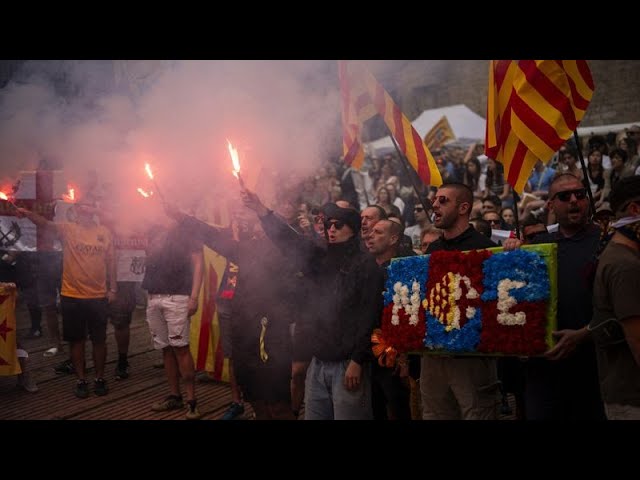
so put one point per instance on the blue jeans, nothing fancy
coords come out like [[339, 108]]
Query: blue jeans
[[326, 397]]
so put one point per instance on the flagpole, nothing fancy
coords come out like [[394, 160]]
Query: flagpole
[[404, 161], [585, 173], [516, 200]]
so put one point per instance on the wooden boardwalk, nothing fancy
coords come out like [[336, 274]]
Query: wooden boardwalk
[[128, 399]]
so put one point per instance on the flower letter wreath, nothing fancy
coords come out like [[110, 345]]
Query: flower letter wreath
[[487, 302]]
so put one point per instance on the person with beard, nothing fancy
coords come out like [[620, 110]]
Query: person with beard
[[266, 302], [344, 302], [615, 325], [564, 383], [457, 387]]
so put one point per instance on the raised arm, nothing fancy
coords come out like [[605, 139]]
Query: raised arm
[[297, 248], [39, 220], [216, 238]]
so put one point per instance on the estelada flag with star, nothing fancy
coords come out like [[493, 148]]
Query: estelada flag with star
[[9, 364]]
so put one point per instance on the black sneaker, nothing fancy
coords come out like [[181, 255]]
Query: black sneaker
[[65, 367], [234, 411], [81, 389], [122, 371], [170, 403], [100, 387]]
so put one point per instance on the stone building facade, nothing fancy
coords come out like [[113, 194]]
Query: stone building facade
[[418, 85]]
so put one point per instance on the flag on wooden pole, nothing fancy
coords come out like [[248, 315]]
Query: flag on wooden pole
[[439, 134], [363, 98]]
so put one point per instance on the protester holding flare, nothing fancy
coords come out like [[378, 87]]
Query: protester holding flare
[[265, 303], [343, 306], [173, 277], [88, 259]]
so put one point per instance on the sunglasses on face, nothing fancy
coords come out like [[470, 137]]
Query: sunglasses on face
[[441, 199], [565, 196], [336, 223], [418, 209]]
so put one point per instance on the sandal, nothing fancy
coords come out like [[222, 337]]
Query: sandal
[[51, 352]]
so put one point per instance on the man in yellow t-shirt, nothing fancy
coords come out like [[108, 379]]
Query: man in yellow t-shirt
[[88, 260]]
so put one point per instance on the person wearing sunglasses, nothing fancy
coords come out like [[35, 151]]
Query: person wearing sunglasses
[[564, 384], [422, 222], [344, 304], [457, 387]]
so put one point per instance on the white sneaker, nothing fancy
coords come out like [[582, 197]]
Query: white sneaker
[[51, 352]]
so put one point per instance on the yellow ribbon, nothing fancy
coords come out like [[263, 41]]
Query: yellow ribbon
[[263, 353], [384, 352]]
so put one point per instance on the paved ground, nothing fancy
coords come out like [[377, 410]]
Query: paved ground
[[127, 399]]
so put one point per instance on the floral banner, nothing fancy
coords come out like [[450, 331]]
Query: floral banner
[[486, 302]]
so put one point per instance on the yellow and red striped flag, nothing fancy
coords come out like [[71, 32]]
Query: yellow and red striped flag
[[439, 134], [363, 98], [357, 108], [9, 364], [205, 337], [533, 108]]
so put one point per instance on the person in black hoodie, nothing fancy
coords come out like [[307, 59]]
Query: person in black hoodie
[[268, 298], [345, 297]]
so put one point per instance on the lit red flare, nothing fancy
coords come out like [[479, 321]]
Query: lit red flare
[[70, 196], [147, 168], [235, 160], [144, 193], [3, 196]]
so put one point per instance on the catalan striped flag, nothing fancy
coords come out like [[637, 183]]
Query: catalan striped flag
[[9, 364], [439, 134], [363, 98], [205, 337], [533, 108], [357, 108], [551, 99]]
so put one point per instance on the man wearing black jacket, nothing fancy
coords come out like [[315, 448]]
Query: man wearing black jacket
[[345, 298], [269, 296]]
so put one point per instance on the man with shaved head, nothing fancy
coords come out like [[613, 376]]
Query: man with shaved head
[[454, 388], [564, 385]]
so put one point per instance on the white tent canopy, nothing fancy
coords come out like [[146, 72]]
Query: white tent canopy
[[604, 129], [466, 125]]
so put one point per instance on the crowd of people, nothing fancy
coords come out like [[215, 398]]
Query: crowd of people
[[311, 272]]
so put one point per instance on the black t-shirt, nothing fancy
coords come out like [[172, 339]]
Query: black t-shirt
[[168, 270], [470, 239], [575, 271]]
